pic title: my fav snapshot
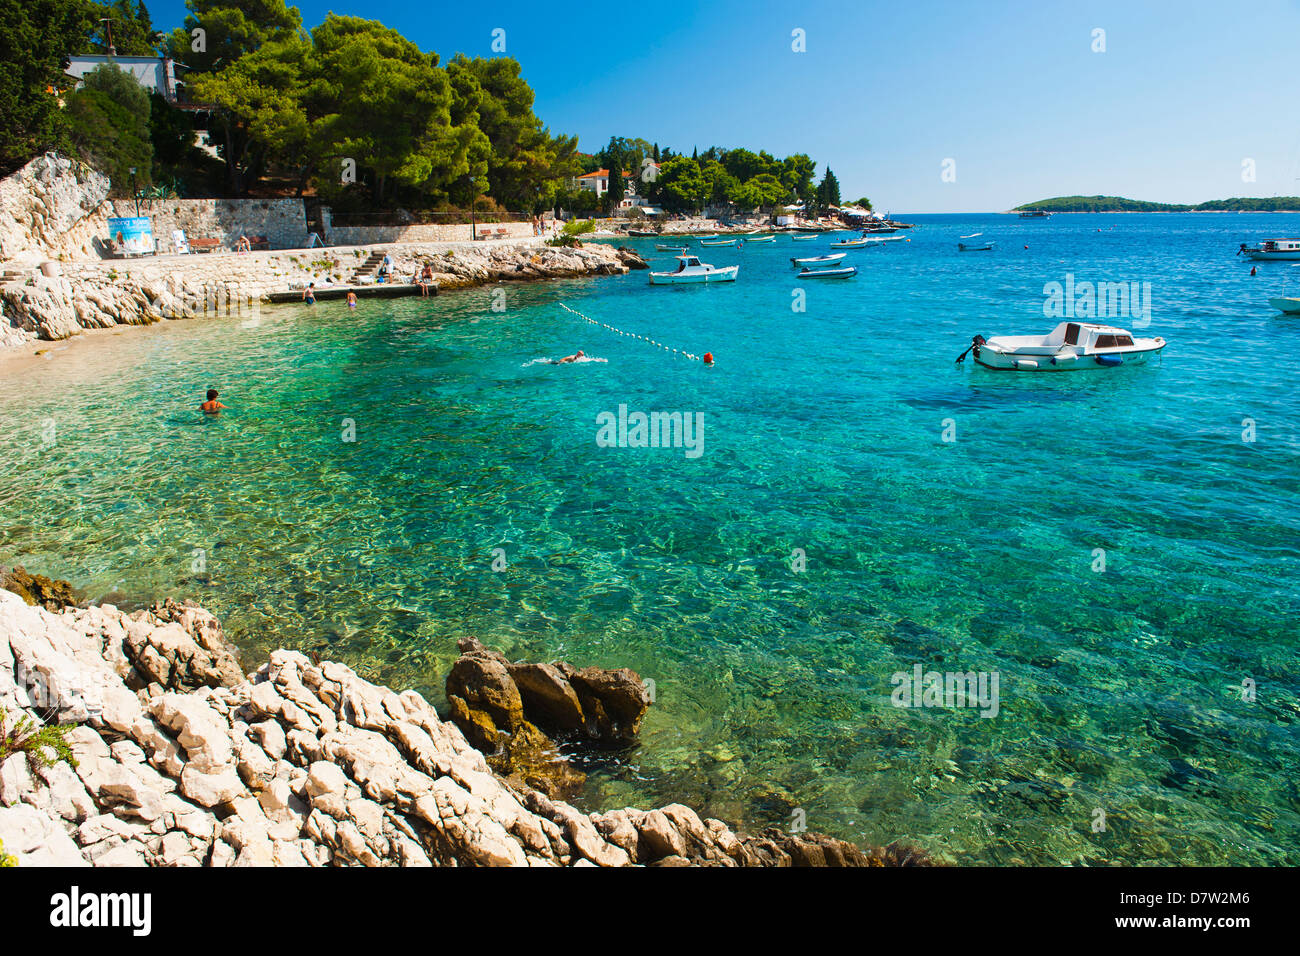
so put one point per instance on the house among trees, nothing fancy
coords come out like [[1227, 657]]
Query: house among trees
[[155, 74]]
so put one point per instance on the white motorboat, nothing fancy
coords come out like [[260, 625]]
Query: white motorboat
[[848, 272], [818, 262], [974, 243], [804, 238], [1071, 346], [1288, 305], [717, 241], [771, 237], [665, 247], [1272, 249], [691, 269], [851, 244]]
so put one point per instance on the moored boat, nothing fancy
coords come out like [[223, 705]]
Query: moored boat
[[851, 244], [667, 247], [642, 232], [717, 242], [848, 272], [691, 269], [1272, 249], [974, 243], [804, 238], [818, 262], [1035, 214], [1071, 346], [1290, 306], [771, 237]]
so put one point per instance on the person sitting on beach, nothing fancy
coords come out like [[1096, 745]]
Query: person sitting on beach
[[426, 279], [212, 406], [352, 299], [243, 245], [309, 294]]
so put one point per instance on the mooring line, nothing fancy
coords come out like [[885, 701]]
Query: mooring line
[[706, 358]]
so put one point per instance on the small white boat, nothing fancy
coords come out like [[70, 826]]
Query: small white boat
[[767, 238], [1071, 346], [717, 241], [1272, 249], [848, 272], [851, 244], [804, 238], [878, 242], [818, 262], [691, 269], [1288, 305], [973, 243], [664, 247]]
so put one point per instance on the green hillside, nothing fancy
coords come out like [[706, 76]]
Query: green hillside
[[1120, 204]]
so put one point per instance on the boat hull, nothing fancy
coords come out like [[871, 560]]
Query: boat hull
[[998, 361], [725, 274], [804, 238], [846, 273], [1289, 306], [666, 248], [1260, 255], [760, 238], [717, 242], [974, 247]]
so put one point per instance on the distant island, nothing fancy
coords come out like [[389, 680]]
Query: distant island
[[1120, 204]]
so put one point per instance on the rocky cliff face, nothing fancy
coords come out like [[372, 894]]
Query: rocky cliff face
[[184, 761], [51, 207]]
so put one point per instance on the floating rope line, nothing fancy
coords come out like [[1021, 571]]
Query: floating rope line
[[707, 357]]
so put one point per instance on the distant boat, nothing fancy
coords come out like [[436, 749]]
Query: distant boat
[[760, 238], [690, 269], [878, 242], [642, 232], [1071, 346], [879, 229], [664, 247], [1272, 249], [804, 238], [848, 272], [851, 244], [978, 245], [1036, 214], [818, 262], [717, 242]]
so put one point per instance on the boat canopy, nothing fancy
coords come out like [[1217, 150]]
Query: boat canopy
[[1089, 336], [689, 260]]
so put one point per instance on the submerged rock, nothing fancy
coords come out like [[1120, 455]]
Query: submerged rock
[[38, 589]]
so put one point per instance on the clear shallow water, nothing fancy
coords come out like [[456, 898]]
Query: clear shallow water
[[822, 431]]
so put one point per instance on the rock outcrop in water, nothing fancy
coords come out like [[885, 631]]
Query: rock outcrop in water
[[182, 761]]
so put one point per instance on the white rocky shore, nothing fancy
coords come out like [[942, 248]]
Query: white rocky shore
[[182, 760]]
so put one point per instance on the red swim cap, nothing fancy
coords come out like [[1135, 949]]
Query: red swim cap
[[708, 358]]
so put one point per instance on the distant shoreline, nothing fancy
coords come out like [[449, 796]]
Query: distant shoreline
[[1163, 212]]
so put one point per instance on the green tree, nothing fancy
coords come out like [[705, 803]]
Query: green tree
[[228, 30], [864, 202], [828, 191], [528, 166], [132, 30], [36, 37], [797, 173], [109, 127], [683, 185], [262, 113]]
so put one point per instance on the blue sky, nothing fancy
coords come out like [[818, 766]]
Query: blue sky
[[1012, 92]]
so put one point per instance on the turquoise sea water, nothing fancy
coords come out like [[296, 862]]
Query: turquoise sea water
[[1120, 689]]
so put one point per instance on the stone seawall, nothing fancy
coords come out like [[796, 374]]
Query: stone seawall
[[461, 232], [101, 294], [181, 760]]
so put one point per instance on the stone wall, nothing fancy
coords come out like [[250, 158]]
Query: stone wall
[[366, 235], [283, 221]]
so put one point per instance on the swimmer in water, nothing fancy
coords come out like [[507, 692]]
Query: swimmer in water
[[569, 358], [352, 300], [309, 294], [212, 406]]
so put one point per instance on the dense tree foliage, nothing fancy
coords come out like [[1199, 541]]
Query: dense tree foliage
[[36, 37], [109, 127], [131, 28]]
